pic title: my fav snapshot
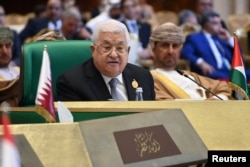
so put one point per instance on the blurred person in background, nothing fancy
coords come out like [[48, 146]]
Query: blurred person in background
[[99, 9], [210, 51], [139, 31], [169, 82], [9, 74], [53, 20], [204, 6], [72, 26], [16, 47], [147, 11], [40, 11], [112, 11], [188, 22]]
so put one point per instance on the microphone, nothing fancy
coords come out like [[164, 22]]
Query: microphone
[[209, 91]]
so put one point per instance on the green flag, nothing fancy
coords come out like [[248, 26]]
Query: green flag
[[238, 81]]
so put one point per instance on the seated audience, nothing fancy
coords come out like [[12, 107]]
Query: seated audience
[[52, 21], [204, 6], [139, 32], [210, 51], [166, 43], [16, 47], [68, 4], [40, 11], [112, 11], [99, 8], [72, 29], [9, 75], [147, 11], [93, 80], [72, 26], [188, 22], [50, 35]]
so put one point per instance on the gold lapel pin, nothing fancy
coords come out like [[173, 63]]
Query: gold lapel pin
[[134, 83]]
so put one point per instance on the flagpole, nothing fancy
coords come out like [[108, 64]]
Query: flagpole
[[238, 81], [44, 99]]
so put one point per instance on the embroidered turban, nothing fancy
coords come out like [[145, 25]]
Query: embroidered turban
[[167, 32]]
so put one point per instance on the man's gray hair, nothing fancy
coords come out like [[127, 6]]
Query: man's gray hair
[[71, 13], [110, 26], [184, 15]]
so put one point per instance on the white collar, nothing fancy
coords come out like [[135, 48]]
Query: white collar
[[107, 79]]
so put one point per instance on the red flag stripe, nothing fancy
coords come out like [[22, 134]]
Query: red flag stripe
[[237, 60]]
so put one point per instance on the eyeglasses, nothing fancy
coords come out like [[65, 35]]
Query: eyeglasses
[[106, 49]]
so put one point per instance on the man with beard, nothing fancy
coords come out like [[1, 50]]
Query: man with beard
[[9, 75], [166, 43]]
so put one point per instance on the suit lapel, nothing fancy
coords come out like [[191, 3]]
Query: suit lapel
[[206, 47], [96, 82], [128, 79]]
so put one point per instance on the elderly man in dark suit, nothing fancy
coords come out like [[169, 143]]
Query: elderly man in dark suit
[[107, 75], [53, 21]]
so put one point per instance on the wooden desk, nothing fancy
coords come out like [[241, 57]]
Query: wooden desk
[[222, 125]]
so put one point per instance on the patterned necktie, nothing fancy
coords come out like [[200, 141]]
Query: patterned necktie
[[114, 93]]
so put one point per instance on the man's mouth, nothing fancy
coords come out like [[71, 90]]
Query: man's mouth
[[113, 62]]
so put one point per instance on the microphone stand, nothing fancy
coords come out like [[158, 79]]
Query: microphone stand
[[209, 91]]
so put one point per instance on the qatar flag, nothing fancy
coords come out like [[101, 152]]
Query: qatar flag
[[10, 155]]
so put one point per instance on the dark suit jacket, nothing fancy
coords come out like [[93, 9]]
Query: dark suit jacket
[[16, 49], [33, 27], [85, 83], [144, 33], [197, 46]]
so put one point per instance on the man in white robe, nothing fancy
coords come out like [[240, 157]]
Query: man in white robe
[[9, 75], [166, 43]]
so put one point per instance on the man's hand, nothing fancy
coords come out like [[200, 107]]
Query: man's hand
[[206, 68], [212, 98], [224, 34]]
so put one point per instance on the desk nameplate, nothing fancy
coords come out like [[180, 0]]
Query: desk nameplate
[[104, 151]]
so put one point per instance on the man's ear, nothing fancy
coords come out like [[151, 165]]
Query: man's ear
[[128, 49], [92, 47]]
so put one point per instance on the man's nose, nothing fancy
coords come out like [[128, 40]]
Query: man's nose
[[170, 49], [113, 53], [4, 49]]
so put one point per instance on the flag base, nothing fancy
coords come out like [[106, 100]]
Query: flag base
[[239, 92], [43, 112]]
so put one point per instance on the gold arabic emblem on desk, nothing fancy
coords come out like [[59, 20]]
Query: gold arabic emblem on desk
[[146, 144]]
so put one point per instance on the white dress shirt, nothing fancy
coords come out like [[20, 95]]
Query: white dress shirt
[[9, 73], [55, 26]]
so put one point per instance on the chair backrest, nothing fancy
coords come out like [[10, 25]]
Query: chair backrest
[[237, 21], [63, 55], [164, 16]]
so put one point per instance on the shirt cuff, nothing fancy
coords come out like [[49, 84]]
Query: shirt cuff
[[231, 41], [224, 97], [199, 61]]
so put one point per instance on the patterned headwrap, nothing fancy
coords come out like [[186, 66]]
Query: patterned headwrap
[[6, 34], [167, 32]]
